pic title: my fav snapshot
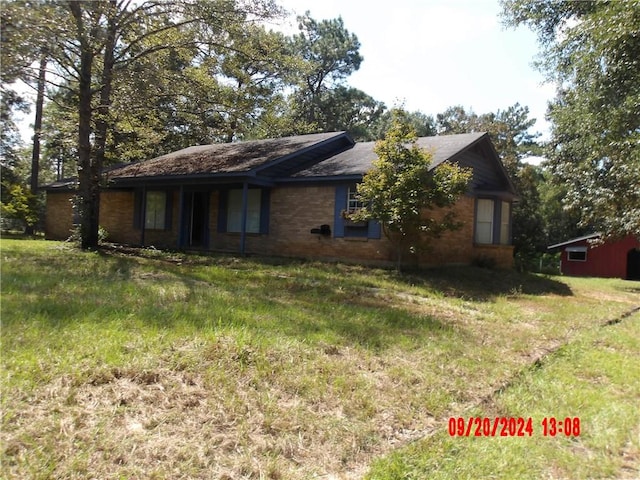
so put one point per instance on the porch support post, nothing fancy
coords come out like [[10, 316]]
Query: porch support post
[[181, 223], [243, 221], [143, 220]]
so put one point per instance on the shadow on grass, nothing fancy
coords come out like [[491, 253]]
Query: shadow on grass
[[481, 284], [321, 304], [308, 301], [473, 283]]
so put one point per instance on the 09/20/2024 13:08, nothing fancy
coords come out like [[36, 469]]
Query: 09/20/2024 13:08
[[512, 426]]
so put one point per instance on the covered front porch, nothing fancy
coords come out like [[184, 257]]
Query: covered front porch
[[201, 217]]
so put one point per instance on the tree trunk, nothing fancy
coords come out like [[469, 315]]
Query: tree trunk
[[37, 126], [87, 190], [102, 121], [37, 132]]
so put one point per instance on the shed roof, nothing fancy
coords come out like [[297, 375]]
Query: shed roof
[[574, 240]]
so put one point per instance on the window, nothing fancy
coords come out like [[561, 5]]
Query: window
[[353, 203], [577, 254], [505, 214], [155, 210], [234, 211], [346, 202], [484, 221]]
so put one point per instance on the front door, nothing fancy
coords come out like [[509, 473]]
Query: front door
[[195, 220]]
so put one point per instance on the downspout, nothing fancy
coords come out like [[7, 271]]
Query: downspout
[[243, 221]]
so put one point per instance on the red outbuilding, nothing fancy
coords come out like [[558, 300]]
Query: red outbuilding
[[589, 257]]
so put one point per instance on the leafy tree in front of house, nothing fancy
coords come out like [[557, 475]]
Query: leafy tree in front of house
[[402, 190]]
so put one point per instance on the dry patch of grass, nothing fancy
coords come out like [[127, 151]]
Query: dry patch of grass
[[177, 366]]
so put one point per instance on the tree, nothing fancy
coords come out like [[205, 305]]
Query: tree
[[19, 204], [560, 222], [15, 200], [509, 130], [328, 54], [591, 50], [250, 73], [402, 190], [10, 141], [423, 124], [349, 109], [95, 44]]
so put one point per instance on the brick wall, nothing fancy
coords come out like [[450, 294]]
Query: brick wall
[[458, 246], [59, 215], [116, 216], [297, 210], [294, 211]]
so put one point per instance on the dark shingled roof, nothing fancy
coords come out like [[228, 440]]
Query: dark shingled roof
[[316, 157], [358, 160], [221, 158]]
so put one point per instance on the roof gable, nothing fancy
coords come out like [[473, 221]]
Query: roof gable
[[469, 149], [359, 160]]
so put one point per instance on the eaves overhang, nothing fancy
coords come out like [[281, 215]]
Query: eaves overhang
[[185, 180], [591, 236], [320, 179]]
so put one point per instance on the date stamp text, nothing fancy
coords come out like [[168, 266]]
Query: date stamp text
[[513, 427]]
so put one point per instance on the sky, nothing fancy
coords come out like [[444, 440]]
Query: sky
[[429, 55], [433, 54]]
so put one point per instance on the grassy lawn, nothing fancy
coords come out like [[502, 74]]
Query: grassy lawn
[[160, 365]]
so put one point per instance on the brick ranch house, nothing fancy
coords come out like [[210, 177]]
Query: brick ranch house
[[286, 197]]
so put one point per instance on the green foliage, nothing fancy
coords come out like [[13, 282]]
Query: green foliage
[[509, 131], [10, 141], [327, 54], [349, 109], [561, 222], [591, 50], [20, 204], [402, 189], [423, 124]]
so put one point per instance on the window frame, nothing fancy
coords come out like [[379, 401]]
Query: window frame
[[225, 211], [342, 227], [353, 203], [155, 211], [477, 222], [576, 250], [234, 210]]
